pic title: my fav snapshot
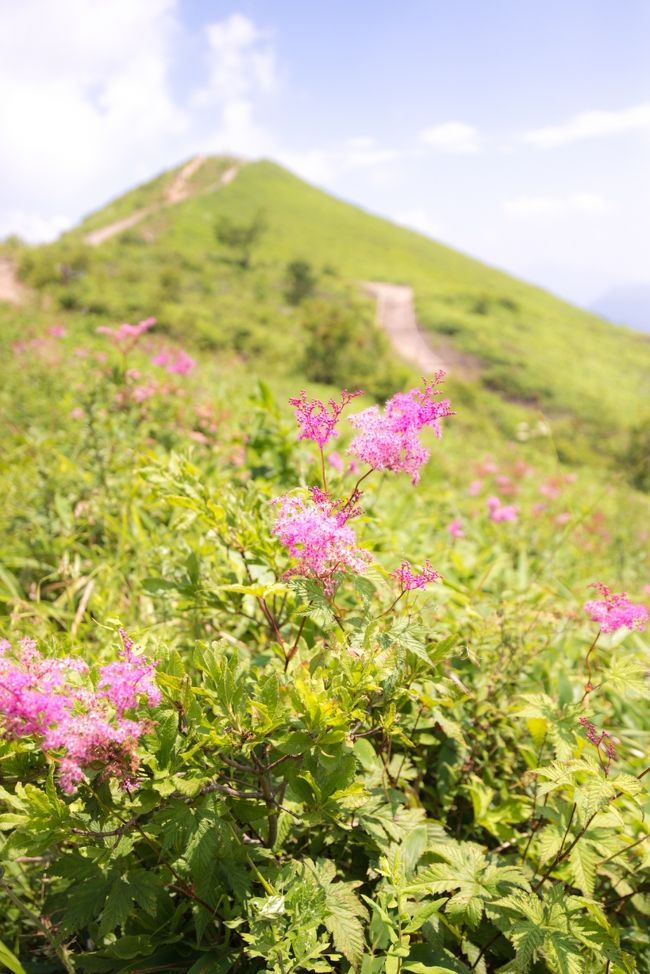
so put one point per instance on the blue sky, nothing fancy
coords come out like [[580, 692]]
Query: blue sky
[[515, 130]]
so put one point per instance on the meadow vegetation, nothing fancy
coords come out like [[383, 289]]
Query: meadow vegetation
[[289, 682]]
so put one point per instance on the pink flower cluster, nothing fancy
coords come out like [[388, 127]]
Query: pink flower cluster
[[53, 700], [455, 529], [175, 361], [390, 441], [614, 611], [409, 581], [318, 422], [315, 532], [126, 336], [501, 512]]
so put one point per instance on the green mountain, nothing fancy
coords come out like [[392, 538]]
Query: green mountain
[[532, 358]]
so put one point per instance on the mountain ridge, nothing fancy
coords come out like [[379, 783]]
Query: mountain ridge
[[535, 354]]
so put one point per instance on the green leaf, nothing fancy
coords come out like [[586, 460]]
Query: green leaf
[[582, 865], [10, 961], [117, 907]]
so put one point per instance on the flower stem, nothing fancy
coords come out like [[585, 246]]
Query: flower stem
[[588, 685]]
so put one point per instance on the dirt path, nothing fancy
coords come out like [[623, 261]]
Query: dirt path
[[11, 290], [396, 315], [177, 191], [96, 237]]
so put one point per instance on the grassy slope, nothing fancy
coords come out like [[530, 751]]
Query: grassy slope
[[533, 345], [590, 377]]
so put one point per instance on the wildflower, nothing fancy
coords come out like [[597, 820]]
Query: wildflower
[[508, 512], [615, 611], [77, 413], [455, 529], [174, 361], [57, 331], [335, 461], [505, 485], [126, 336], [487, 467], [408, 581], [551, 488], [390, 441], [318, 422], [316, 533], [598, 739], [131, 676], [500, 512], [144, 392], [50, 700], [475, 488]]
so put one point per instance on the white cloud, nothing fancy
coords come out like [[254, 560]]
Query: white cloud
[[418, 219], [87, 105], [327, 164], [33, 227], [453, 137], [592, 125], [545, 207], [362, 142], [241, 69]]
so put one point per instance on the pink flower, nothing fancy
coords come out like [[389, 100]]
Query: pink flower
[[408, 581], [57, 331], [174, 361], [316, 534], [391, 441], [335, 461], [142, 393], [507, 512], [126, 336], [455, 529], [77, 413], [318, 422], [131, 676], [551, 489], [198, 437], [53, 701], [562, 518], [615, 611], [487, 467], [493, 502], [475, 488], [505, 485]]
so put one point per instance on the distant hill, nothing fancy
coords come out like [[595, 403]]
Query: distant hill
[[627, 305], [530, 352]]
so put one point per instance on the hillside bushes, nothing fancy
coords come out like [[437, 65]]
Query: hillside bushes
[[291, 687], [344, 347]]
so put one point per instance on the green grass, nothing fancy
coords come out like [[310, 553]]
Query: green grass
[[533, 356]]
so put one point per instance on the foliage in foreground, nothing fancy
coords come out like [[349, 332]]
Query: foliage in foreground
[[339, 761]]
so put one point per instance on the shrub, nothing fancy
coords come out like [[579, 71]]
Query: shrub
[[300, 281], [345, 347], [240, 238]]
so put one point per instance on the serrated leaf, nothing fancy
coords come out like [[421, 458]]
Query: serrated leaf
[[582, 866], [117, 907]]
